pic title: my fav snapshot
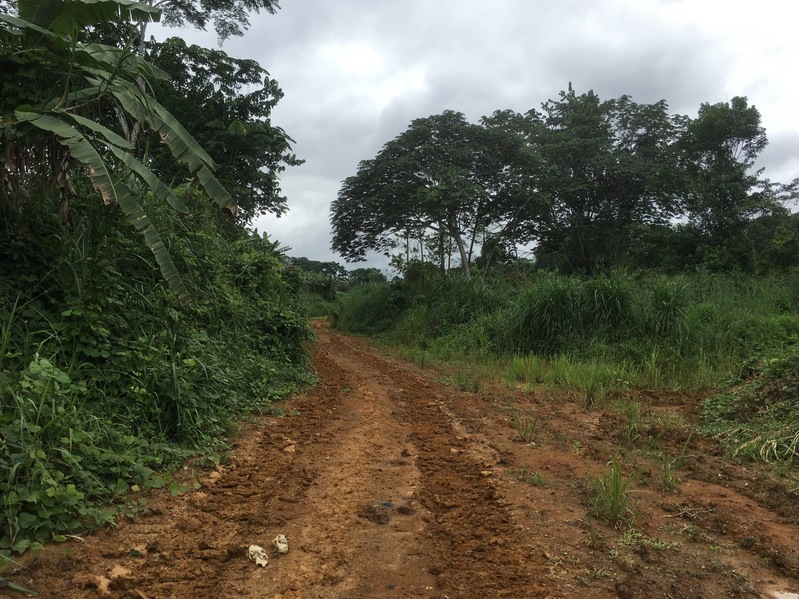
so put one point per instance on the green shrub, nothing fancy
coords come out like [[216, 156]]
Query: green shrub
[[551, 314], [106, 379], [372, 308]]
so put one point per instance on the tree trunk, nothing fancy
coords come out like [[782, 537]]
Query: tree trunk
[[456, 235]]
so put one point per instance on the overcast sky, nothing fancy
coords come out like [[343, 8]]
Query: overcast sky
[[355, 73]]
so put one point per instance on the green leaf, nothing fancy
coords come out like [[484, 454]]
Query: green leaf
[[181, 144], [113, 60], [215, 189], [27, 520], [99, 129], [79, 148], [66, 17], [60, 41], [111, 190]]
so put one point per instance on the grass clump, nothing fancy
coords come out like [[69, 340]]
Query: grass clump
[[526, 427], [370, 308], [528, 476], [670, 465], [608, 495], [633, 539]]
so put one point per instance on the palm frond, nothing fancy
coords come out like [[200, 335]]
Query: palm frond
[[111, 190], [64, 18]]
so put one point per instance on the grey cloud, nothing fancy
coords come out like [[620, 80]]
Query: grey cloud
[[474, 57]]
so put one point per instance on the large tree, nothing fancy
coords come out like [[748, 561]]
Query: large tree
[[443, 178], [226, 104], [720, 148], [609, 166]]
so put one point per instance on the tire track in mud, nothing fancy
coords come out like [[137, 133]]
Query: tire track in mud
[[371, 484], [477, 548], [390, 484]]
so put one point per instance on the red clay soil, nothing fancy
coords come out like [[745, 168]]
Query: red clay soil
[[387, 481]]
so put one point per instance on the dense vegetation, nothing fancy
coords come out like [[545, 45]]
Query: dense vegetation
[[138, 315], [602, 335], [106, 377]]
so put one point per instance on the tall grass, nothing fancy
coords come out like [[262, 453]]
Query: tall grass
[[608, 494], [595, 336], [371, 308], [687, 332]]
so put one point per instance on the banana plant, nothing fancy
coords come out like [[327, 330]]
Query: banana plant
[[90, 77]]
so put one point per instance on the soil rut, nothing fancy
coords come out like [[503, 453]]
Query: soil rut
[[390, 483]]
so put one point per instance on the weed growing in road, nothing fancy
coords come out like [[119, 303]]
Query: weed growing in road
[[472, 384], [592, 537], [630, 410], [524, 474], [516, 372], [608, 494], [634, 539], [526, 427], [669, 467], [594, 393]]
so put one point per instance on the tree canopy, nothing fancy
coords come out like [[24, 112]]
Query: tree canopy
[[226, 104], [589, 183], [56, 97], [228, 17], [443, 180], [82, 97], [609, 165]]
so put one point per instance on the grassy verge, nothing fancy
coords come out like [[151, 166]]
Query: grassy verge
[[597, 337]]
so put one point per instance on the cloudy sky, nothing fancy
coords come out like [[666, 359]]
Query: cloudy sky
[[356, 72]]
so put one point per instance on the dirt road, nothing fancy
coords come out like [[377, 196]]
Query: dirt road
[[388, 481]]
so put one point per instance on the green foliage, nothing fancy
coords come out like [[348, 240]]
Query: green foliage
[[371, 309], [60, 458], [225, 103], [358, 276], [526, 475], [608, 494], [595, 184], [554, 312], [630, 411], [601, 335], [666, 310], [670, 465], [228, 17], [106, 380], [610, 165], [78, 83], [593, 335], [526, 427], [635, 539], [444, 181], [757, 415]]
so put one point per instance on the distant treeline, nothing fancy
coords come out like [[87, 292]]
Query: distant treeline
[[583, 185]]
